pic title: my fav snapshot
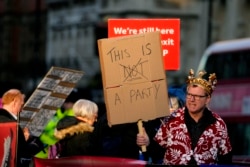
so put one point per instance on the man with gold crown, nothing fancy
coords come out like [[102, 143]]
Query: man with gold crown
[[194, 135]]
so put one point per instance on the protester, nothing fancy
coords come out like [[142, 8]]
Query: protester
[[195, 135], [27, 146], [75, 133], [47, 136]]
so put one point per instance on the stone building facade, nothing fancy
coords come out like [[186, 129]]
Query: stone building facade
[[68, 30]]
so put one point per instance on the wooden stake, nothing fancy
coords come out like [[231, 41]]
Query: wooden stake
[[139, 124]]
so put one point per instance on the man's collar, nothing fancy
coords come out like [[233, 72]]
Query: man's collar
[[206, 117], [13, 115]]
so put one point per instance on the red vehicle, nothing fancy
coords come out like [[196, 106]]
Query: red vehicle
[[230, 60]]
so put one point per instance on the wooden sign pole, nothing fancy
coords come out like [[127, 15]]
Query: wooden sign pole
[[140, 128]]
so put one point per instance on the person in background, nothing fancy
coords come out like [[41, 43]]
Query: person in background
[[75, 133], [27, 146], [194, 135], [177, 98], [47, 136]]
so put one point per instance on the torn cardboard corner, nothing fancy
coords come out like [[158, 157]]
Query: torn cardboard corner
[[133, 76]]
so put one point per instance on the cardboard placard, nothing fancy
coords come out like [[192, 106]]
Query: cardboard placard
[[134, 79]]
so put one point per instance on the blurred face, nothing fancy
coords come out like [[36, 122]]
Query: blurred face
[[92, 120], [173, 104], [68, 105], [196, 99], [13, 101], [18, 103]]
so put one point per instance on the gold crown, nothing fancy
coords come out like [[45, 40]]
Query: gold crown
[[209, 85]]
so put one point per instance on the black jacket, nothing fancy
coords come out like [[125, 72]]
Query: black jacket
[[76, 138], [120, 140]]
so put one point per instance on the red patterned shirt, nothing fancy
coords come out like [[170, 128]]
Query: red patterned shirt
[[174, 136]]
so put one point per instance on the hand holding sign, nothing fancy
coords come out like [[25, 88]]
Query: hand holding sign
[[142, 138]]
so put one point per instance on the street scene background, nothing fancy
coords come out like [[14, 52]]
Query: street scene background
[[38, 34]]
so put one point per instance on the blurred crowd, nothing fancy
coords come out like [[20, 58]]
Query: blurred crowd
[[190, 135]]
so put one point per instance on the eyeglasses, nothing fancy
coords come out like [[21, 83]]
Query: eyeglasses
[[196, 97]]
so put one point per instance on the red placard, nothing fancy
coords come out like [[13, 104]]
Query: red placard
[[89, 161], [8, 140], [170, 35]]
